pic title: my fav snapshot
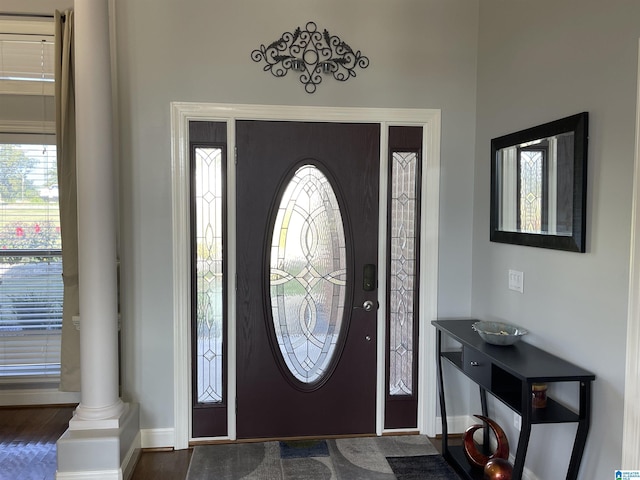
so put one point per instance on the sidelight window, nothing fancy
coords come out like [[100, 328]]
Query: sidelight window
[[403, 272], [403, 276], [208, 284]]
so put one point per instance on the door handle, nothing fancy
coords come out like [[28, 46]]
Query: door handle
[[368, 306]]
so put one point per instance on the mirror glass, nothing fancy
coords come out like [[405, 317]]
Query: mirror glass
[[538, 190]]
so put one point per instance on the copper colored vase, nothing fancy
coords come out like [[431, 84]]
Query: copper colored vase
[[498, 469], [479, 460]]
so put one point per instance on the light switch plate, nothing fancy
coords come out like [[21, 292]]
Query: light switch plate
[[516, 281]]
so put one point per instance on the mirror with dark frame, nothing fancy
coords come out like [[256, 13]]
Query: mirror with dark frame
[[539, 185]]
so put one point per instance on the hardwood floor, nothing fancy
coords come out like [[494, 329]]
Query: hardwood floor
[[169, 465], [28, 438]]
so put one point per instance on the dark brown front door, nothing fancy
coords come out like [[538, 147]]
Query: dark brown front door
[[280, 392]]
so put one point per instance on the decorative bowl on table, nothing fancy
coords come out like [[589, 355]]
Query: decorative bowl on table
[[499, 333]]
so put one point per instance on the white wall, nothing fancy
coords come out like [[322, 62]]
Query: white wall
[[537, 62], [423, 55]]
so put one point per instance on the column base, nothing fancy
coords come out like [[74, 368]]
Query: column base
[[100, 453], [85, 418]]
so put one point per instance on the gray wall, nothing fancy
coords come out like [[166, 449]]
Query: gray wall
[[537, 62], [423, 55]]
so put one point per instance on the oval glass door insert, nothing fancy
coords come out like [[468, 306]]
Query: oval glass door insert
[[308, 275]]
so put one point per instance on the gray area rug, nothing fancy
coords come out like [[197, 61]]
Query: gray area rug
[[404, 457]]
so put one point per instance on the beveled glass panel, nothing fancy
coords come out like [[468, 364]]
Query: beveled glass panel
[[209, 275], [404, 222], [531, 190], [308, 274]]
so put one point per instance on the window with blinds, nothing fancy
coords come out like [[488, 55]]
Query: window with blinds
[[31, 286], [30, 261]]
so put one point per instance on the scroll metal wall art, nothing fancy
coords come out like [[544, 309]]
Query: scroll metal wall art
[[313, 54]]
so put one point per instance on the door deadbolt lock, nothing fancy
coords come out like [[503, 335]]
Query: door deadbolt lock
[[369, 280]]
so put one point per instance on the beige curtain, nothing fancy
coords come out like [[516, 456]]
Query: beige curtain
[[66, 148]]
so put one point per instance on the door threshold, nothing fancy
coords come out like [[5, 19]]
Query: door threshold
[[225, 441]]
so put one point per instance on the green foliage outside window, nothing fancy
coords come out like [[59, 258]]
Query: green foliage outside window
[[15, 183]]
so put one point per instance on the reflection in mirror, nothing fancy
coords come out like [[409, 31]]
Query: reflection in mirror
[[536, 181], [538, 185]]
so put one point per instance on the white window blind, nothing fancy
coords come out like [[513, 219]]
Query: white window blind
[[30, 261], [26, 58]]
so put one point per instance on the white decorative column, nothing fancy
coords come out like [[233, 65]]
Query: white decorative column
[[96, 216], [103, 433]]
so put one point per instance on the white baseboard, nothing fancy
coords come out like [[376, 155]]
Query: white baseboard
[[157, 438], [97, 475]]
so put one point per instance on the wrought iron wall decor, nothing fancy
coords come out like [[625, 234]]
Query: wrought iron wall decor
[[313, 54]]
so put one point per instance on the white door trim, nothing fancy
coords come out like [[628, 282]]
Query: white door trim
[[181, 114], [631, 422]]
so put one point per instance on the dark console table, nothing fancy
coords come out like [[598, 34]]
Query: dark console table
[[508, 373]]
